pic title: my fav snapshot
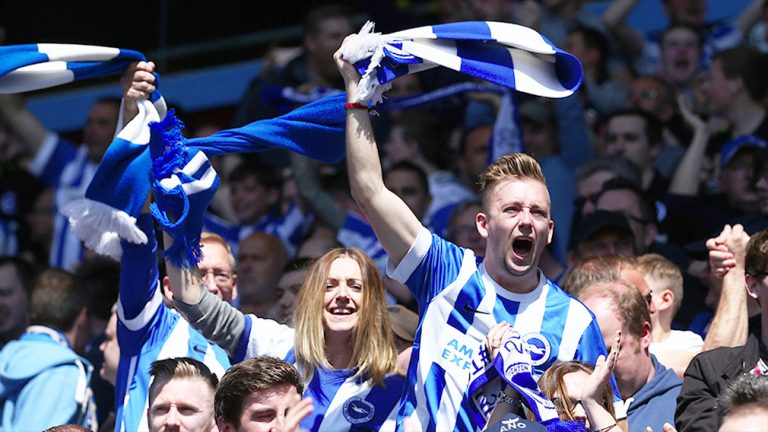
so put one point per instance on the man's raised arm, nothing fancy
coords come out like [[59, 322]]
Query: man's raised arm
[[393, 222]]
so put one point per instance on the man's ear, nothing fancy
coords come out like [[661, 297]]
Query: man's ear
[[646, 338], [666, 300], [234, 286], [167, 291], [551, 230], [481, 220], [223, 425], [752, 286]]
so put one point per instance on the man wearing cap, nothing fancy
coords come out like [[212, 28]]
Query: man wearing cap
[[602, 233]]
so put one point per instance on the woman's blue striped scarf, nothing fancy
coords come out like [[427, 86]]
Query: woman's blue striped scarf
[[121, 183]]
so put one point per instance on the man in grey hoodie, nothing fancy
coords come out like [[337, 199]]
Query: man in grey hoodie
[[43, 381], [649, 389]]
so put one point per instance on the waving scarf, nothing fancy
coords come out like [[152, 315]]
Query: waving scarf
[[510, 55]]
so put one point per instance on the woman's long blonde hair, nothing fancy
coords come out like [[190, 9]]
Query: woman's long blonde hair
[[372, 345]]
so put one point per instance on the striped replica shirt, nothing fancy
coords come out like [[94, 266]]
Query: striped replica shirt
[[459, 303], [343, 401], [68, 171], [147, 331]]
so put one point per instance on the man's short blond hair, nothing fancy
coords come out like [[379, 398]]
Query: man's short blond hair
[[209, 237], [515, 165], [664, 274]]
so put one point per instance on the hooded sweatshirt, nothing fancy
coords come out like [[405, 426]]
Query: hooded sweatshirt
[[654, 404], [43, 383]]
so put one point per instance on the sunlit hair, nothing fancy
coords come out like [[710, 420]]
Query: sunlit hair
[[209, 237], [627, 303], [181, 368], [515, 166], [664, 273], [588, 271], [373, 348], [258, 375], [553, 386]]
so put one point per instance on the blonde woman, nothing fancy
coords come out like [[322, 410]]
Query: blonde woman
[[342, 341]]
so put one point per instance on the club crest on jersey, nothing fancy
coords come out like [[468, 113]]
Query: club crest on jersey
[[539, 347], [358, 410]]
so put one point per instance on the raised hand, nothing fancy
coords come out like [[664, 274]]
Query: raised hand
[[138, 83], [727, 250], [296, 413], [496, 336], [595, 386]]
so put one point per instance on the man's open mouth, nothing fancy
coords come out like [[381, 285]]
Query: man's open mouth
[[522, 246]]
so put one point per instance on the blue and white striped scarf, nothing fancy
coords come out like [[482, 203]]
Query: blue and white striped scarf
[[510, 55], [513, 365], [122, 181]]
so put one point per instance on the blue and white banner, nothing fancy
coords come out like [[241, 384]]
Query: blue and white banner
[[510, 55]]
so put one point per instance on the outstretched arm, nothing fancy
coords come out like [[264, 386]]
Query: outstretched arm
[[393, 222], [686, 179]]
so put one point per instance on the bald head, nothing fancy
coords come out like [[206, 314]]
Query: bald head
[[620, 300]]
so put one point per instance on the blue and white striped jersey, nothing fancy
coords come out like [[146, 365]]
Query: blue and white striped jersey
[[290, 228], [342, 401], [147, 331], [68, 171], [458, 305]]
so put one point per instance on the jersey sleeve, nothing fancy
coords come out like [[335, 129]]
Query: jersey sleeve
[[430, 265], [51, 158], [139, 300]]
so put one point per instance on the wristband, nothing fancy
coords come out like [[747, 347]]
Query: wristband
[[355, 105]]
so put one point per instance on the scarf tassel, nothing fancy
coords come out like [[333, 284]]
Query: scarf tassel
[[101, 226], [169, 154]]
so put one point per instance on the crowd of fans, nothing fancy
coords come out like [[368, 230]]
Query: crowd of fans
[[657, 178]]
